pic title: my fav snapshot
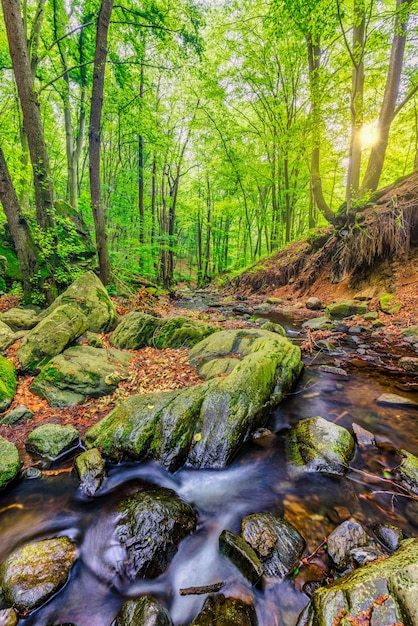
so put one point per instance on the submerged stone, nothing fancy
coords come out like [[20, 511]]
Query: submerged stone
[[50, 441], [90, 468], [35, 572], [221, 611], [242, 556], [277, 543], [9, 462], [144, 611], [393, 399], [316, 445], [151, 526]]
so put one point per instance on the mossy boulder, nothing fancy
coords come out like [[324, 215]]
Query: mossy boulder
[[389, 304], [407, 472], [387, 588], [20, 318], [150, 528], [137, 330], [206, 425], [318, 323], [145, 611], [51, 336], [316, 445], [274, 328], [7, 336], [81, 372], [35, 572], [89, 295], [8, 383], [9, 462], [221, 611], [90, 468], [50, 441], [346, 308]]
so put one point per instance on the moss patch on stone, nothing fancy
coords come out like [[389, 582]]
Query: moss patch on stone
[[8, 382], [9, 462]]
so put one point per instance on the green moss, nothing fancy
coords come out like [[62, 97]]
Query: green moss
[[389, 304], [8, 382], [9, 462]]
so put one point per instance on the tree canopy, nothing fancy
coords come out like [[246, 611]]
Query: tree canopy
[[193, 137]]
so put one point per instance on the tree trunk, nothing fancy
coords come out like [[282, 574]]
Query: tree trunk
[[141, 165], [44, 198], [94, 138], [316, 180], [388, 110], [22, 240], [356, 104]]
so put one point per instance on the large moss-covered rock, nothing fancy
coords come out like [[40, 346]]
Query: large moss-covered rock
[[389, 304], [137, 330], [387, 588], [9, 462], [89, 295], [51, 336], [221, 611], [206, 425], [346, 308], [52, 440], [8, 383], [316, 445], [151, 526], [408, 471], [145, 612], [35, 572], [20, 319], [277, 543], [7, 336], [81, 372]]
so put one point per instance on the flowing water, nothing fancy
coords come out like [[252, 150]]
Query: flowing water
[[256, 481]]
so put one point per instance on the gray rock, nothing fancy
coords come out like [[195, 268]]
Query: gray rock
[[389, 536], [347, 536], [50, 441], [364, 438], [221, 611], [90, 468], [393, 580], [7, 336], [392, 399], [277, 543], [9, 462], [81, 372], [313, 303], [144, 611], [316, 445], [151, 526], [35, 572], [19, 413], [409, 364], [51, 336], [88, 294], [242, 556], [20, 319]]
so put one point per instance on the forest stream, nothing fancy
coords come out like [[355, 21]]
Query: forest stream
[[256, 481]]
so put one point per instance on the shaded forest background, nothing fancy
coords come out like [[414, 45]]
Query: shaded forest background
[[192, 138]]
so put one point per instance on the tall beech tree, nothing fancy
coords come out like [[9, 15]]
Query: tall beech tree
[[96, 107]]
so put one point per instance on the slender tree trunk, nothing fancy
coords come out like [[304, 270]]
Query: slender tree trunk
[[141, 165], [94, 138], [22, 240], [388, 110], [208, 230], [356, 104], [44, 197], [316, 179], [153, 197]]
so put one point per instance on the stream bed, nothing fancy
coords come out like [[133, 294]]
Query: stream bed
[[257, 481]]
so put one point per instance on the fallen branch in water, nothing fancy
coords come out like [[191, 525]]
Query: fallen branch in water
[[190, 591]]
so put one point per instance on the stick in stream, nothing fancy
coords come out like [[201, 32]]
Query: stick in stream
[[190, 591]]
